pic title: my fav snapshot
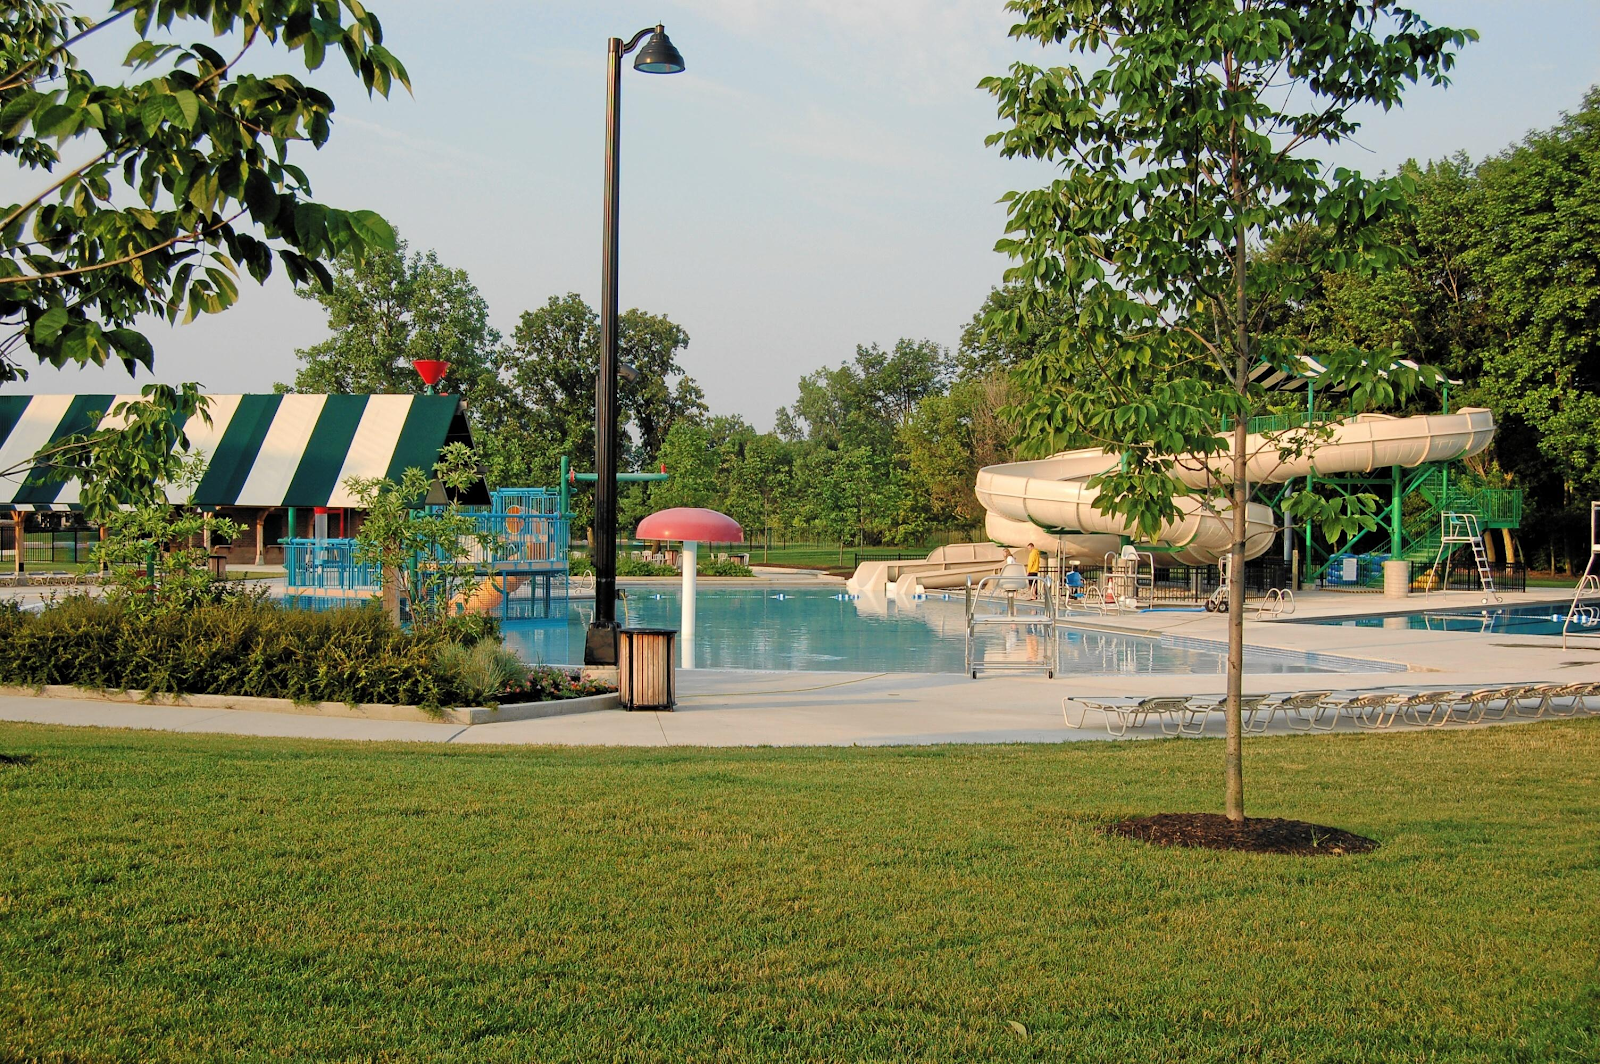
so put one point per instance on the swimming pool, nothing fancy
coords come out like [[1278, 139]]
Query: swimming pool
[[820, 629], [1542, 619]]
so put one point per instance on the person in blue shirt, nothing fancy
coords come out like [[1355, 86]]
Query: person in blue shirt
[[1074, 581]]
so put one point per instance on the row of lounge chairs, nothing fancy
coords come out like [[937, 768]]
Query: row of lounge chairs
[[51, 579], [1323, 710]]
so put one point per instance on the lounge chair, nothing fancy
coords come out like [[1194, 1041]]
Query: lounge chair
[[1373, 710], [1476, 706], [1560, 699], [1195, 717], [1295, 708], [1437, 705], [1120, 716]]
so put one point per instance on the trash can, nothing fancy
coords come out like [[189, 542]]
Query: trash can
[[218, 562], [646, 678]]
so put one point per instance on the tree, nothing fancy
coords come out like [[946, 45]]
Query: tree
[[1537, 255], [1181, 153], [185, 178], [388, 309], [859, 403], [757, 473], [418, 549], [948, 438], [546, 408], [985, 349]]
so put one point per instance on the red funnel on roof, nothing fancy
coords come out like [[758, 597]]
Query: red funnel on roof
[[431, 370], [690, 524]]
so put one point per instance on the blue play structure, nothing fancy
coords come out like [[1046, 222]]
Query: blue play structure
[[519, 554]]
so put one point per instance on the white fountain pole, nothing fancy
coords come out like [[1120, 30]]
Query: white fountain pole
[[691, 570]]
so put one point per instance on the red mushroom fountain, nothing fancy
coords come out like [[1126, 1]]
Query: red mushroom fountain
[[690, 525]]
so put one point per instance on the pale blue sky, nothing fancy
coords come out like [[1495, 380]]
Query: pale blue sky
[[817, 178]]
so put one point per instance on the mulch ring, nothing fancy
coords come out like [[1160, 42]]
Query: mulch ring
[[1213, 831]]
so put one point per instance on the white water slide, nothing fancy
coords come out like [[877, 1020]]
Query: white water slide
[[1032, 501]]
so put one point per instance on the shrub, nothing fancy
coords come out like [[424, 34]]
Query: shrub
[[485, 669], [581, 566], [345, 655], [714, 568]]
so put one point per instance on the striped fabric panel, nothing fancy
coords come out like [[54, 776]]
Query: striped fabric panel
[[273, 467], [373, 446], [317, 477], [427, 425], [235, 453], [67, 498]]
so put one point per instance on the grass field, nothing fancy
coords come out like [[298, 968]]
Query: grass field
[[179, 897]]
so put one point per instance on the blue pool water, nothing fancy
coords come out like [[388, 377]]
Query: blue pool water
[[1543, 619], [817, 629]]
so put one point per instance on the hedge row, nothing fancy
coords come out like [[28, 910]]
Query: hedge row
[[347, 655]]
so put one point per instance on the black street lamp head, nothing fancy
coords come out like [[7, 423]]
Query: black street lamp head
[[658, 56]]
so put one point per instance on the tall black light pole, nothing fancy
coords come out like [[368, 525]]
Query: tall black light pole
[[658, 56]]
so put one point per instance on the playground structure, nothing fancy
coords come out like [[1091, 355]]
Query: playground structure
[[1429, 511], [516, 559]]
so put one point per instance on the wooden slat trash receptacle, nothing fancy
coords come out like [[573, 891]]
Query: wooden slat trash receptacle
[[218, 562], [645, 668]]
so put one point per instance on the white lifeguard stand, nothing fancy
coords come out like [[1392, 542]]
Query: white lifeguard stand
[[1586, 616], [1454, 530]]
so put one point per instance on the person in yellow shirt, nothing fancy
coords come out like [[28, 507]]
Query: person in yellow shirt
[[1035, 559]]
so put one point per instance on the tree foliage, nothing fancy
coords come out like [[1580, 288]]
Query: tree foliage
[[160, 182], [388, 309], [545, 407]]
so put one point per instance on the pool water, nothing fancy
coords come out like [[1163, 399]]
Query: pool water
[[1542, 619], [820, 629]]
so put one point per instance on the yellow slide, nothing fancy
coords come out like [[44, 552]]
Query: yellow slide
[[487, 595]]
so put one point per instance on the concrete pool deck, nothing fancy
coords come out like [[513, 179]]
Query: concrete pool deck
[[740, 708]]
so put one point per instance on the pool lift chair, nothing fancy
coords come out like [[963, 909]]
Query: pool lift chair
[[992, 604], [1589, 585]]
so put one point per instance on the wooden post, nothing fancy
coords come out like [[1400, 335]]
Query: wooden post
[[17, 536], [261, 536], [103, 565]]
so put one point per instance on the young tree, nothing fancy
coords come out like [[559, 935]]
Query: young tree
[[417, 549], [184, 176], [390, 308], [1181, 151]]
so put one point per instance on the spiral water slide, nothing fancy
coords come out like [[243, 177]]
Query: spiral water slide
[[1035, 501]]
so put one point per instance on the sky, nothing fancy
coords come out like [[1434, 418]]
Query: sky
[[815, 180]]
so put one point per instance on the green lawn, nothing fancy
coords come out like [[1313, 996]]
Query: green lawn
[[180, 897]]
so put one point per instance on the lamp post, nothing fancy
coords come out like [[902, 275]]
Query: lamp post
[[658, 56]]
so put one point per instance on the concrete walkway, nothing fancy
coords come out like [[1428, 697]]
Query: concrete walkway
[[727, 708], [734, 708]]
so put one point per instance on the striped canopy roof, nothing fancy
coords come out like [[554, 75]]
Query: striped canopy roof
[[262, 450]]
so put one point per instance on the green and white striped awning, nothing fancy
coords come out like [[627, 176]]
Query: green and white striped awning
[[262, 450]]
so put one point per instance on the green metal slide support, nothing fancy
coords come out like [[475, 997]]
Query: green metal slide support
[[1394, 512]]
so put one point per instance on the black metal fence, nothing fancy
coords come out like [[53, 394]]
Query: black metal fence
[[1192, 585], [41, 548], [1463, 576]]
